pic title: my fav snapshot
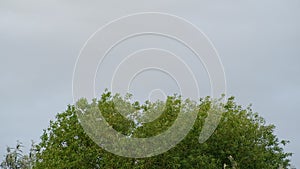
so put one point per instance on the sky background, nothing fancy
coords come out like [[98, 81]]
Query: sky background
[[258, 42]]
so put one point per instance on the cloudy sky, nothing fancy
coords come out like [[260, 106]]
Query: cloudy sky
[[258, 42]]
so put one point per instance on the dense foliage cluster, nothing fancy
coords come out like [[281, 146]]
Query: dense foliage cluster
[[242, 139]]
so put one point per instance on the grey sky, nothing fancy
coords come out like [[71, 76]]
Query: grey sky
[[258, 42]]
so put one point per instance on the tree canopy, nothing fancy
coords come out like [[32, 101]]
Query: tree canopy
[[241, 140]]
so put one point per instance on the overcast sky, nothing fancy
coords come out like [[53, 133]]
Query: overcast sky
[[258, 42]]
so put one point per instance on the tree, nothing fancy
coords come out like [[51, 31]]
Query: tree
[[241, 140], [15, 159]]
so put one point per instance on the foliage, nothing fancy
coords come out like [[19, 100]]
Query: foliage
[[15, 159], [241, 140]]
